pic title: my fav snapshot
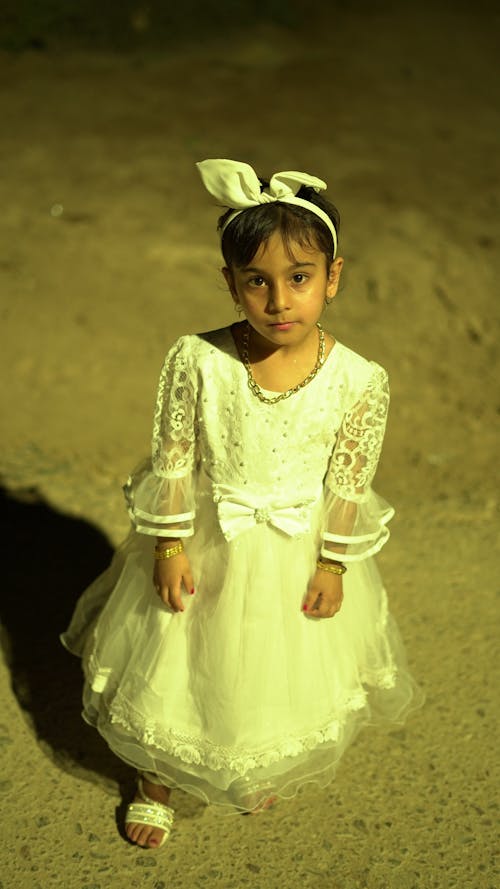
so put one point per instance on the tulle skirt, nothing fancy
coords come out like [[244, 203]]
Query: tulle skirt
[[241, 696]]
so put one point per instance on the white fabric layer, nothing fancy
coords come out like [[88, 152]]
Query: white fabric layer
[[235, 184], [158, 506], [243, 694]]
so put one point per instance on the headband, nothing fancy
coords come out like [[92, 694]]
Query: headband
[[235, 185]]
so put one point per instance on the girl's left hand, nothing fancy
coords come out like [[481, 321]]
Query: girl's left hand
[[324, 595]]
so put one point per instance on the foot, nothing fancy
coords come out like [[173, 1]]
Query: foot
[[143, 834], [263, 806]]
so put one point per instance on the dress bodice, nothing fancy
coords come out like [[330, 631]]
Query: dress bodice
[[263, 459]]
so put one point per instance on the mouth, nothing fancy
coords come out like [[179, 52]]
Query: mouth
[[283, 325]]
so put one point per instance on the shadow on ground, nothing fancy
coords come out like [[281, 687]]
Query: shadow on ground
[[49, 558]]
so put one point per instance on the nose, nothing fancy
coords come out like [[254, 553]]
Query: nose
[[279, 297]]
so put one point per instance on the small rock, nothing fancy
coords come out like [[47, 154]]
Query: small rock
[[475, 329], [145, 861]]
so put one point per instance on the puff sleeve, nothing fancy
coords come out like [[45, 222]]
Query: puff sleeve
[[160, 492], [355, 523]]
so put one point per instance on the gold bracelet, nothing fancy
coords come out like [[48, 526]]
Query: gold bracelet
[[169, 551], [331, 567]]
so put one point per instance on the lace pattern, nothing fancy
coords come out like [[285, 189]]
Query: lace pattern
[[174, 426], [359, 440], [160, 493], [196, 750], [356, 518]]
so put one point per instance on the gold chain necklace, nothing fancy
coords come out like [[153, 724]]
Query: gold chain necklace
[[254, 386]]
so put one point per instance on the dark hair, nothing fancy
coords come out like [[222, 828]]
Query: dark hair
[[247, 231]]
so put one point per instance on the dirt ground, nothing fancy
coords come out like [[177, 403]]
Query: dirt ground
[[109, 253]]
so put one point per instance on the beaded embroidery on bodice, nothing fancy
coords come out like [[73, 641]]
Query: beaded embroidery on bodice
[[205, 414]]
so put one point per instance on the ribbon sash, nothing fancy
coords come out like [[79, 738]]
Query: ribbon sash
[[236, 514]]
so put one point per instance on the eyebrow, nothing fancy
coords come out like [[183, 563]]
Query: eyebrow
[[296, 265]]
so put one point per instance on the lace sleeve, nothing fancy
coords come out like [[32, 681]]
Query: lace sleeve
[[174, 437], [355, 517], [160, 492]]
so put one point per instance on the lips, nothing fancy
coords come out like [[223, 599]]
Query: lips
[[283, 325]]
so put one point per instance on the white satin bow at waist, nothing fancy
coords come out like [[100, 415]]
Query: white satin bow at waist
[[237, 513]]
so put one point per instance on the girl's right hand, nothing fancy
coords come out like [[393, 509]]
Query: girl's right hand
[[169, 577]]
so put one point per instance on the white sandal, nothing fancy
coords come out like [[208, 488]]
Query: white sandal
[[151, 813]]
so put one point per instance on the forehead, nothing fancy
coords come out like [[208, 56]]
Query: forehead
[[287, 251]]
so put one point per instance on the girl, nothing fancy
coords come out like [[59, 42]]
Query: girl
[[242, 666]]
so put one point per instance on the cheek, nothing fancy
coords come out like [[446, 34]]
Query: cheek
[[250, 297], [239, 289], [317, 292], [251, 306]]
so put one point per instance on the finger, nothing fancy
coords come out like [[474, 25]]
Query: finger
[[322, 605], [312, 601], [163, 593], [188, 582], [323, 608], [331, 609], [175, 598]]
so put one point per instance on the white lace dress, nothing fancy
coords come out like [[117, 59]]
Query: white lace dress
[[243, 694]]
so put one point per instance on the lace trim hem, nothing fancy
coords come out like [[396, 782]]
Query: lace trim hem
[[195, 750]]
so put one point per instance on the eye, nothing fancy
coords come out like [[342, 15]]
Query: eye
[[299, 278], [256, 281]]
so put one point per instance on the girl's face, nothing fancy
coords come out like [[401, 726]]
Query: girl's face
[[282, 292]]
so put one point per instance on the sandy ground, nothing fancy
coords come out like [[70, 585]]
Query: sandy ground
[[108, 254]]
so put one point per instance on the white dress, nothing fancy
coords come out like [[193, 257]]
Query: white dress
[[243, 695]]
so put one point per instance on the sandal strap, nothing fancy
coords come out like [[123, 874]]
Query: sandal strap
[[153, 814]]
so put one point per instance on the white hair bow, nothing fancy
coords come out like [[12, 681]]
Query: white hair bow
[[236, 185]]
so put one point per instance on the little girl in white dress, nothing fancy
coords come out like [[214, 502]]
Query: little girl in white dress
[[243, 664]]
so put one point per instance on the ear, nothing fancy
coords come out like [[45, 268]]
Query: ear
[[229, 277], [334, 277]]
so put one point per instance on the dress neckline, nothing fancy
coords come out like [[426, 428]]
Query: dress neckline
[[271, 392]]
